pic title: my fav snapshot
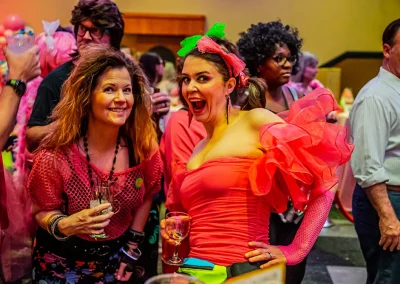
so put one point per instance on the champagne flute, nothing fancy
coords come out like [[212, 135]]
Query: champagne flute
[[173, 279], [177, 226], [101, 194]]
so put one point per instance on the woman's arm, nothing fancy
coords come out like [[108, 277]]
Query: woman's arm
[[141, 215]]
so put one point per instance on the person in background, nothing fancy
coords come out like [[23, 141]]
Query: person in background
[[16, 251], [108, 140], [22, 69], [304, 80], [169, 85], [271, 52], [153, 66], [127, 51], [375, 127], [94, 21]]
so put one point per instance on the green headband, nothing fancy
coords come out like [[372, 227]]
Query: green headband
[[189, 43]]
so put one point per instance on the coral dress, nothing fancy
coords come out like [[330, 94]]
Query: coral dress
[[230, 199]]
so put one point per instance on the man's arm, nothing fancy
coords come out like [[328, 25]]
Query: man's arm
[[24, 67], [370, 125], [388, 223], [35, 134]]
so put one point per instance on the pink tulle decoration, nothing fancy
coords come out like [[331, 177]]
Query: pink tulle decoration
[[235, 65], [50, 59]]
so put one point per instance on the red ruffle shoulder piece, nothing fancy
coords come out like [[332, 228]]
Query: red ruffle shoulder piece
[[301, 156]]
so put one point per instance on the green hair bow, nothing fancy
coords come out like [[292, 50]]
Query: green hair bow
[[189, 43]]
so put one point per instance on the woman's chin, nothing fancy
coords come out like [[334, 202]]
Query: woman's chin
[[117, 122]]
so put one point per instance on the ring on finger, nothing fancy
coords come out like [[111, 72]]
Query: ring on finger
[[270, 255]]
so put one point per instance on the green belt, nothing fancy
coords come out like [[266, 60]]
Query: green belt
[[210, 273]]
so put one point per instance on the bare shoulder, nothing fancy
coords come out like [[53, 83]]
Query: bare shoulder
[[258, 117]]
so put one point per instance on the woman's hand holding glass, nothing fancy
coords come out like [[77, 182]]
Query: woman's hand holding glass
[[86, 222], [175, 228]]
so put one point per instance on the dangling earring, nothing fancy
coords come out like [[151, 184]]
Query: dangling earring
[[190, 117], [228, 108]]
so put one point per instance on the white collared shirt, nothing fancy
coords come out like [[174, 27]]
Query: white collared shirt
[[375, 128]]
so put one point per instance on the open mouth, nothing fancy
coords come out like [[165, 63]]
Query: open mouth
[[198, 105]]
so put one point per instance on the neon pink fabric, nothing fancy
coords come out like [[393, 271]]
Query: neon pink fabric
[[64, 45], [16, 247], [176, 146], [3, 199], [65, 171], [236, 65], [314, 219], [230, 199]]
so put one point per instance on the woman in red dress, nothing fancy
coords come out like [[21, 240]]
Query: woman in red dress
[[249, 165]]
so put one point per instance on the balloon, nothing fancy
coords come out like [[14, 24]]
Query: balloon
[[14, 22], [2, 29]]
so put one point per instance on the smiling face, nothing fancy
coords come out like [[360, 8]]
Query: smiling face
[[205, 90], [112, 98], [277, 69]]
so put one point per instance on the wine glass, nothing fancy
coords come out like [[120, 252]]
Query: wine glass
[[177, 226], [101, 194], [173, 279]]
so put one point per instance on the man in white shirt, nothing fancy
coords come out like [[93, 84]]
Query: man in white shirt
[[375, 124]]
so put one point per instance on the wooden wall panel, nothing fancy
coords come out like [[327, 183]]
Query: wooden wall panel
[[163, 24], [144, 31]]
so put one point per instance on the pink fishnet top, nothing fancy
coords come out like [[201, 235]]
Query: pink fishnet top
[[61, 178]]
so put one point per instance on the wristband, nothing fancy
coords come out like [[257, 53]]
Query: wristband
[[54, 229], [135, 236]]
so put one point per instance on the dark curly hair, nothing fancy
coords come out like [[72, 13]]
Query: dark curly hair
[[103, 14], [260, 41]]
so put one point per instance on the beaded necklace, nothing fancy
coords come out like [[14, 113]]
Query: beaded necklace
[[90, 171]]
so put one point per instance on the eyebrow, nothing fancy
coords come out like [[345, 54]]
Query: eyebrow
[[113, 85], [199, 73]]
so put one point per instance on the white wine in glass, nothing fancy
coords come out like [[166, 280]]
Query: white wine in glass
[[101, 194], [177, 226]]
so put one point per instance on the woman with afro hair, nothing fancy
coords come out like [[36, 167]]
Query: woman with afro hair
[[271, 51]]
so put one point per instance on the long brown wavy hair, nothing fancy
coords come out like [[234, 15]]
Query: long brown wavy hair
[[71, 115]]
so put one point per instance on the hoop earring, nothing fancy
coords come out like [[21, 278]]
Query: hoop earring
[[228, 108]]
